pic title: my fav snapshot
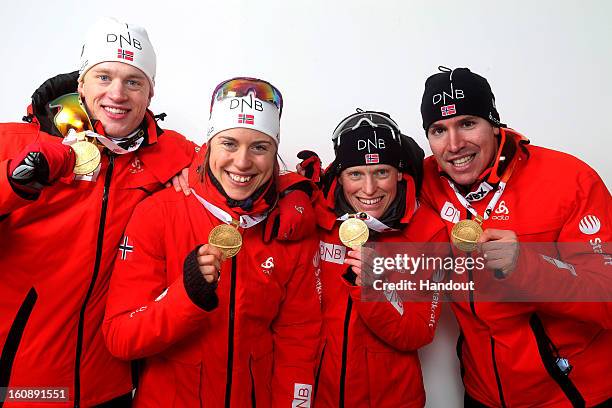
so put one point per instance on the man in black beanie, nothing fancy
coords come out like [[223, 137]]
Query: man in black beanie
[[550, 347]]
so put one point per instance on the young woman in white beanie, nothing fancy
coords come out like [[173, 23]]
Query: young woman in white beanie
[[222, 315]]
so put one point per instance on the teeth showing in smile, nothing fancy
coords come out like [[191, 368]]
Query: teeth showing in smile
[[464, 160], [115, 110], [239, 179], [371, 201]]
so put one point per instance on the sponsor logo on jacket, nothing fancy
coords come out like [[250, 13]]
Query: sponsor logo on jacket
[[589, 225], [302, 395], [450, 213], [316, 262], [136, 166], [598, 249], [332, 253], [501, 212], [480, 193], [268, 266]]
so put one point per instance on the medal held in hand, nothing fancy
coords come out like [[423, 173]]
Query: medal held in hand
[[465, 234], [87, 157], [353, 232], [226, 238]]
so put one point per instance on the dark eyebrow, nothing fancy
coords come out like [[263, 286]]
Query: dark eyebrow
[[100, 71], [104, 71], [229, 139], [267, 142]]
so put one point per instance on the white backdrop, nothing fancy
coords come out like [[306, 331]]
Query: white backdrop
[[549, 64]]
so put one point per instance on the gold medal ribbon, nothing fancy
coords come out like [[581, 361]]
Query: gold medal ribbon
[[226, 236], [465, 234]]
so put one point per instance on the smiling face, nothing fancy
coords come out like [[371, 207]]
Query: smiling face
[[242, 160], [117, 95], [464, 146], [370, 189]]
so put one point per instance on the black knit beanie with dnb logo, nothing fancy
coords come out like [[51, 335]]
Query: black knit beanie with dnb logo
[[457, 92]]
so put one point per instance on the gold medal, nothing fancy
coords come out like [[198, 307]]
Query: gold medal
[[87, 157], [353, 232], [465, 234], [226, 238]]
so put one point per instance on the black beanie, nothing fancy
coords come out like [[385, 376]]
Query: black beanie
[[457, 92], [356, 143], [367, 146]]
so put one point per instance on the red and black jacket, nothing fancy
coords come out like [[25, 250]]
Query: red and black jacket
[[56, 257], [370, 354], [511, 353]]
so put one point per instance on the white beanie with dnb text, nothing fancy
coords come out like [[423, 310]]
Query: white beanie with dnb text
[[109, 40]]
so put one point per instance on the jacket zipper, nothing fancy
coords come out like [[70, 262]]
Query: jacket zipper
[[497, 379], [230, 334], [473, 308], [318, 375], [12, 341], [253, 397], [347, 320], [549, 354], [99, 244]]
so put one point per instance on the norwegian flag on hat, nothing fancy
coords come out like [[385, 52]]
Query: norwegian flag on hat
[[244, 118], [448, 110], [372, 158], [125, 54]]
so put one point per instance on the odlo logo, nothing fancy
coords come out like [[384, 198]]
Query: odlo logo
[[503, 212], [268, 266]]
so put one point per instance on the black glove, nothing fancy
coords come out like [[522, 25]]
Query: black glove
[[40, 164]]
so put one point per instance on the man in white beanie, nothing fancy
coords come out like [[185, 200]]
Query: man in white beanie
[[63, 211]]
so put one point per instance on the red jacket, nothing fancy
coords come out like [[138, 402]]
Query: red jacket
[[266, 325], [370, 355], [56, 255], [507, 350]]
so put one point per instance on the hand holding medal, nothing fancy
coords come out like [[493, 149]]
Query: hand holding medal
[[209, 261], [353, 232], [466, 234], [227, 239], [501, 250]]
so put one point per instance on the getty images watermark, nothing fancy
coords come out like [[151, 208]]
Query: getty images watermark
[[532, 272]]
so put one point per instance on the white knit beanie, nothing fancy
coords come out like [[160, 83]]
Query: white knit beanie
[[245, 112], [109, 40]]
